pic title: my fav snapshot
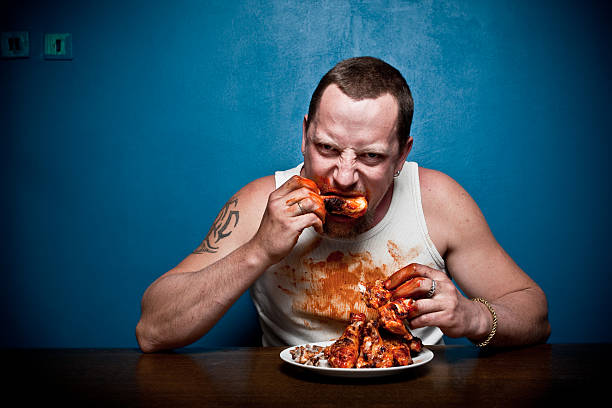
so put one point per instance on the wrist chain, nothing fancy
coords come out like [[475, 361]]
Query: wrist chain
[[494, 328]]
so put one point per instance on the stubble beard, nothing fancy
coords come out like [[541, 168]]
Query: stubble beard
[[349, 229]]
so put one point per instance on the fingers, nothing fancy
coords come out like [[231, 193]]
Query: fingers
[[311, 212], [414, 281], [297, 182], [284, 220], [416, 287], [309, 220], [302, 196], [299, 198], [305, 201], [425, 319], [411, 271], [441, 313], [404, 274], [437, 301]]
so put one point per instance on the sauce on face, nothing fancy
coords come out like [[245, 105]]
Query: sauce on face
[[325, 187]]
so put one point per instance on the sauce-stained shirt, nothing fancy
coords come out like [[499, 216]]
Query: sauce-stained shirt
[[309, 296]]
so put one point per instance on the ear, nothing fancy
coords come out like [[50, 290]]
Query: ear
[[304, 134], [404, 154]]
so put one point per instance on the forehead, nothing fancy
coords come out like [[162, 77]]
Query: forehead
[[364, 122]]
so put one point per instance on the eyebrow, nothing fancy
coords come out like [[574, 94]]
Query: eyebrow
[[318, 139], [324, 139]]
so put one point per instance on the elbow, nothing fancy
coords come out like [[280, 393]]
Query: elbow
[[145, 339], [541, 332], [151, 339], [544, 328]]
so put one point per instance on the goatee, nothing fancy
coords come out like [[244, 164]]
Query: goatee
[[348, 229]]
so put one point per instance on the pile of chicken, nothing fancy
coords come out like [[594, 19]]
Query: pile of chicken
[[362, 345]]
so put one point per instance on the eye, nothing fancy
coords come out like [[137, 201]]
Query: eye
[[326, 148], [372, 158]]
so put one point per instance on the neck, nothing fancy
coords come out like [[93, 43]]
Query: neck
[[383, 206]]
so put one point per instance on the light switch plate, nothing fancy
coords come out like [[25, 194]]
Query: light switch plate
[[15, 44], [58, 46]]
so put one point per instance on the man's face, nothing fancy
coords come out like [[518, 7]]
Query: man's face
[[350, 148]]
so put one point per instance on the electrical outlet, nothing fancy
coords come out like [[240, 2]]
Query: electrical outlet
[[15, 44], [58, 46]]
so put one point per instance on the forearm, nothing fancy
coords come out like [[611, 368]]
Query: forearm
[[179, 308], [522, 318]]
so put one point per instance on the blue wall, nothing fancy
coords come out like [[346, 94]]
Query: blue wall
[[115, 164]]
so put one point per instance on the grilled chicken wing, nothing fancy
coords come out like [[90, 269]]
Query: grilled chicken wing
[[391, 312], [375, 295], [362, 345], [400, 349], [374, 353], [353, 207], [345, 351]]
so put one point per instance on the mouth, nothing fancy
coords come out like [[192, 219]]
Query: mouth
[[326, 192], [345, 206]]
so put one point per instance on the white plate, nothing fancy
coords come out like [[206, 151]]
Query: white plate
[[424, 357]]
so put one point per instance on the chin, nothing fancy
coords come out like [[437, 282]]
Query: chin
[[338, 226]]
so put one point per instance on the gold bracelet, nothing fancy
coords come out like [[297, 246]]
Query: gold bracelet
[[494, 328]]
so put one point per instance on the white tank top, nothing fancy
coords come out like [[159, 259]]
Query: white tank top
[[309, 295]]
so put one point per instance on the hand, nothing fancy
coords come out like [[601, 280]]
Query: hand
[[447, 308], [291, 208]]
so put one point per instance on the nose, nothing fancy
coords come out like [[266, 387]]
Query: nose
[[345, 175]]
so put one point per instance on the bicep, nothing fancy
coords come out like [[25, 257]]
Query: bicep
[[474, 258], [234, 225], [229, 230]]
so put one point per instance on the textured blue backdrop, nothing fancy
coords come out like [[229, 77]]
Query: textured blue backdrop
[[115, 164]]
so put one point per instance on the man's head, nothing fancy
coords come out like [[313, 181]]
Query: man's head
[[368, 78], [356, 137]]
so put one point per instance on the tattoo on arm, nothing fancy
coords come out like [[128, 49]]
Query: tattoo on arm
[[223, 227]]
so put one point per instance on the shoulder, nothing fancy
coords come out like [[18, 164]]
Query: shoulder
[[236, 223], [258, 189], [448, 208], [251, 200], [439, 188]]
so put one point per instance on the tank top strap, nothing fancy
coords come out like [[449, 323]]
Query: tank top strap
[[281, 177]]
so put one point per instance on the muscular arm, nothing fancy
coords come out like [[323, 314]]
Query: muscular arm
[[180, 307], [256, 228], [481, 267], [185, 303]]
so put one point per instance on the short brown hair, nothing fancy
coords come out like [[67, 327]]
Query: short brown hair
[[368, 78]]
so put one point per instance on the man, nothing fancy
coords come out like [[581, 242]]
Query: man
[[422, 233]]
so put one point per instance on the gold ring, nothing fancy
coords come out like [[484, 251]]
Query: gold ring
[[301, 209]]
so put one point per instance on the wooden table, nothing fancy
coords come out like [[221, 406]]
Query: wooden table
[[458, 376]]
